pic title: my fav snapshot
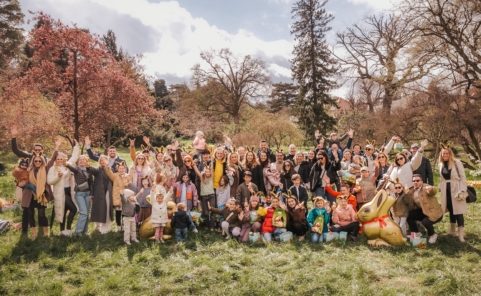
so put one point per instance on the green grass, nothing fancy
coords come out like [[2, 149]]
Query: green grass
[[207, 264]]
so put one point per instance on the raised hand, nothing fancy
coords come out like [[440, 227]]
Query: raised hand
[[350, 133], [132, 142], [424, 143], [58, 142], [146, 140], [87, 141], [14, 131]]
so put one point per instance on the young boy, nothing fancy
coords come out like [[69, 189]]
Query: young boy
[[128, 219], [297, 190], [181, 222]]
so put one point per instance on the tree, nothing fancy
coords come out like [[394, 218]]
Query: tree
[[283, 95], [110, 41], [453, 30], [94, 93], [11, 18], [161, 94], [313, 66], [383, 50], [240, 80]]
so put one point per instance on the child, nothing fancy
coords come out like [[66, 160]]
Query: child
[[233, 215], [252, 219], [296, 217], [223, 191], [186, 193], [207, 194], [266, 200], [121, 180], [128, 213], [317, 230], [159, 216], [344, 218], [199, 143], [268, 228], [143, 200], [20, 173], [181, 222], [297, 190]]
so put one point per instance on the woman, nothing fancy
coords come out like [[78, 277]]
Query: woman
[[170, 172], [453, 190], [63, 184], [296, 217], [187, 168], [252, 165], [286, 175], [382, 166], [83, 187], [139, 170], [37, 194], [346, 159], [270, 176], [403, 168], [219, 167], [324, 172], [102, 199], [237, 172]]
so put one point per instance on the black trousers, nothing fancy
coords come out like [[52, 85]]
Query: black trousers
[[70, 208], [459, 219], [28, 217], [352, 228], [418, 215]]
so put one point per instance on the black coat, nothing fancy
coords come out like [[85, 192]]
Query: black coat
[[304, 170], [101, 185], [181, 220], [303, 196], [331, 171]]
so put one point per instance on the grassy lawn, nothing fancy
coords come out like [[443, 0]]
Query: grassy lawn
[[208, 264]]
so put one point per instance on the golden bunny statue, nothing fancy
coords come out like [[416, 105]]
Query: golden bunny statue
[[147, 231], [377, 225]]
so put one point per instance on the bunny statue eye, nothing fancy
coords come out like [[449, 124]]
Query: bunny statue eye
[[367, 210]]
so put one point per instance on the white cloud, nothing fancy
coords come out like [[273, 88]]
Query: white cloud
[[181, 38], [377, 4]]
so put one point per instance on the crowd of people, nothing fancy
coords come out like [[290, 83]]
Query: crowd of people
[[245, 193]]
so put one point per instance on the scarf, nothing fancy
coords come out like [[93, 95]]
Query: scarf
[[39, 181]]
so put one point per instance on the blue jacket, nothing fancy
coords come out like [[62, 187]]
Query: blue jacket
[[314, 213]]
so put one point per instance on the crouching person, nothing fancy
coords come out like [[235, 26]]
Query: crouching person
[[252, 219], [233, 215], [425, 208], [274, 225], [344, 218]]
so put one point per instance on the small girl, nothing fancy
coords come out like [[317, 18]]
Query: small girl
[[223, 191], [252, 219], [318, 229], [207, 194], [159, 216], [143, 202], [296, 217], [199, 143]]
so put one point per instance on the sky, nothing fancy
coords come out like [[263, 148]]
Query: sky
[[170, 35]]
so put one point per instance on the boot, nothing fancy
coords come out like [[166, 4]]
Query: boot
[[45, 231], [461, 234], [452, 229], [33, 233]]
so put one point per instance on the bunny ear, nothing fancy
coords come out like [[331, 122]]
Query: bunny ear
[[210, 149], [162, 149], [234, 148], [443, 146]]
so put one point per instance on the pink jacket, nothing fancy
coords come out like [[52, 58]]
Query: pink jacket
[[345, 216]]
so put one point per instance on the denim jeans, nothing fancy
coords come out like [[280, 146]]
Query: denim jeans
[[277, 232], [83, 202], [181, 234], [316, 237]]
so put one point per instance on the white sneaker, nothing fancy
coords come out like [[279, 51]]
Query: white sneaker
[[433, 238], [135, 241], [64, 232], [127, 243]]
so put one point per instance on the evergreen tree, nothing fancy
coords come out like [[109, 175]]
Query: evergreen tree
[[11, 17], [283, 95], [110, 41], [313, 65]]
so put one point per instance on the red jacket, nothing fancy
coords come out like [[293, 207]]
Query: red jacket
[[267, 226]]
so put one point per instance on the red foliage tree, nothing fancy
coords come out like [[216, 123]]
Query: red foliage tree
[[94, 93]]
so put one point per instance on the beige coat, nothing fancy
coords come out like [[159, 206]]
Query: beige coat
[[429, 203], [119, 183], [458, 184], [59, 183]]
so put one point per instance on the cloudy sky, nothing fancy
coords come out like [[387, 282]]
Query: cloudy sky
[[170, 34]]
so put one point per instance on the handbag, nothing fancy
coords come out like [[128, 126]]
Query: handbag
[[471, 192]]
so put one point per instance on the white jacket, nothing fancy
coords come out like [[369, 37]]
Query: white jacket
[[159, 212]]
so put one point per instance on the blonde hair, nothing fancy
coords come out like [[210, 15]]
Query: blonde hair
[[181, 206], [103, 156], [451, 156], [84, 157]]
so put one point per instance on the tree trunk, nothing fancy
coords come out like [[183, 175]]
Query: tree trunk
[[387, 101], [76, 121]]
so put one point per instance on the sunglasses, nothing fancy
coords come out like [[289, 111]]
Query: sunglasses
[[368, 149], [400, 158], [188, 161], [398, 187], [417, 180], [37, 161], [381, 156], [168, 160]]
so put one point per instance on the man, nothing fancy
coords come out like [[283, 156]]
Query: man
[[246, 189], [424, 207], [114, 159], [292, 153], [263, 146], [425, 169], [345, 191], [369, 158]]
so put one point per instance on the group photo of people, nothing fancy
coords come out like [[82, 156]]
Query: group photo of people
[[248, 194]]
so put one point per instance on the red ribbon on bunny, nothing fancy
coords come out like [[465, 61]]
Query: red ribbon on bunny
[[380, 219]]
